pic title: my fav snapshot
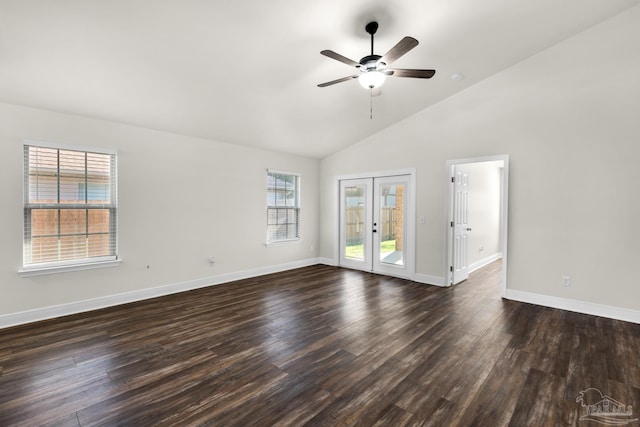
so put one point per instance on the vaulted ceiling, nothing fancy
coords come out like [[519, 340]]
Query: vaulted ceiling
[[246, 72]]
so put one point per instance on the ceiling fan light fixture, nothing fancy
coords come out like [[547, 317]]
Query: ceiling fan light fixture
[[372, 69], [371, 79]]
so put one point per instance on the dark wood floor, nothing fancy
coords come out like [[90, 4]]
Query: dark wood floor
[[319, 346]]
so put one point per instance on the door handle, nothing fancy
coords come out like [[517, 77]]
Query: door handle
[[375, 231], [468, 229]]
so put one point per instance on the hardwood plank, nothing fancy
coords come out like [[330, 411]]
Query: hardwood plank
[[289, 402], [549, 408], [494, 403], [318, 345], [392, 416]]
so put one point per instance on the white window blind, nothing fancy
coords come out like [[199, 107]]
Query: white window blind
[[70, 206], [283, 206]]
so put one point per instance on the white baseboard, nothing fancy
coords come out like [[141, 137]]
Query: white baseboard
[[30, 316], [39, 314], [483, 262], [328, 261], [626, 314], [428, 280]]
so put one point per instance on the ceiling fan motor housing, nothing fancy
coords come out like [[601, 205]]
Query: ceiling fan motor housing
[[371, 63]]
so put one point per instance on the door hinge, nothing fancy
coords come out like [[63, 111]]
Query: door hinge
[[452, 225], [451, 269], [453, 179]]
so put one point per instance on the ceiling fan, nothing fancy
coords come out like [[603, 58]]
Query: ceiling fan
[[373, 69]]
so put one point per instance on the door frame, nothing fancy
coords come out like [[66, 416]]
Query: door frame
[[410, 240], [504, 211]]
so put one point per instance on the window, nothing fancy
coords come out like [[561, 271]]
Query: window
[[283, 206], [70, 206]]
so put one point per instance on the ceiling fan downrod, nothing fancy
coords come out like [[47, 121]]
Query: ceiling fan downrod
[[370, 62], [371, 28]]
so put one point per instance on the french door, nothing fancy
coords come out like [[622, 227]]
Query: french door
[[373, 224]]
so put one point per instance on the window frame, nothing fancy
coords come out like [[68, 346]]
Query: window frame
[[40, 268], [297, 207]]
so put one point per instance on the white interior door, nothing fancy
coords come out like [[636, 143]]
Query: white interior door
[[374, 226], [460, 227], [452, 167]]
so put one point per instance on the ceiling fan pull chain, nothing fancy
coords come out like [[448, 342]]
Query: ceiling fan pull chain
[[371, 104]]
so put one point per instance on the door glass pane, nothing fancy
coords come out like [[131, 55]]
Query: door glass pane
[[354, 214], [391, 227]]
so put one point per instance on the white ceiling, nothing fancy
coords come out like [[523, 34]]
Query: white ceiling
[[246, 71]]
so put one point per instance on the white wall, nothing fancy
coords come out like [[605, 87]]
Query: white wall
[[485, 180], [568, 119], [181, 200]]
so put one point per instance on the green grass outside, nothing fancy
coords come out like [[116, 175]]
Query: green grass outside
[[357, 251]]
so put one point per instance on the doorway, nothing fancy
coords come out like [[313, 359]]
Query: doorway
[[377, 224], [476, 216]]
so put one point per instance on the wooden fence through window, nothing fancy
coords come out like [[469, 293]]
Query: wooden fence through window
[[354, 230]]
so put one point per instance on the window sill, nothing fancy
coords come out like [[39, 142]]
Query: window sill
[[284, 242], [39, 271]]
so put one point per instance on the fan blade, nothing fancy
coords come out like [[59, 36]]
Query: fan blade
[[419, 74], [403, 46], [332, 82], [331, 54]]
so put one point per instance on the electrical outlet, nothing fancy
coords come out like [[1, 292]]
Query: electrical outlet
[[566, 281]]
